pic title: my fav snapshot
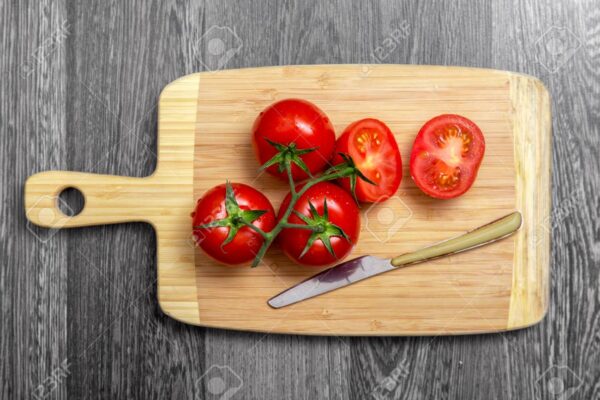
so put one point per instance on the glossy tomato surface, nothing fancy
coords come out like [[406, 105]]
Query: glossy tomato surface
[[374, 150], [446, 156], [294, 121], [342, 212], [246, 243]]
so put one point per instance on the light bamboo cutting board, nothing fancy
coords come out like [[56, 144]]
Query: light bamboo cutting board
[[204, 138]]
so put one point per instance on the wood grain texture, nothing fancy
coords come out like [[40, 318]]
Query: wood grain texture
[[164, 199], [88, 295], [203, 128], [475, 288], [32, 272], [530, 291]]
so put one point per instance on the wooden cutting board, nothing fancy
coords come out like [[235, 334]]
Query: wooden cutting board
[[204, 138]]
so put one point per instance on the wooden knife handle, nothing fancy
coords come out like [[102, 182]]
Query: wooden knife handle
[[475, 238]]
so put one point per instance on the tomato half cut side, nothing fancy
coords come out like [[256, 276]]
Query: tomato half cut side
[[446, 156], [374, 150]]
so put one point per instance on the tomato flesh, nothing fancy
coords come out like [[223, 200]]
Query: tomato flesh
[[294, 121], [247, 242], [342, 211], [374, 150], [446, 156]]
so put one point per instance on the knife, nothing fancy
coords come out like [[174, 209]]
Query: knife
[[365, 267]]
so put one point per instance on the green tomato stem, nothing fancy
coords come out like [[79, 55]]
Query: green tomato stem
[[255, 228], [283, 222], [288, 169], [300, 226]]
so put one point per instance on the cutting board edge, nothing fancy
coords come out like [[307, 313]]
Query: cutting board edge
[[171, 123], [426, 68], [531, 272], [196, 322]]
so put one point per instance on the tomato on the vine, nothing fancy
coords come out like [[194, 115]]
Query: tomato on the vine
[[299, 125], [446, 156], [334, 219], [221, 219], [374, 150]]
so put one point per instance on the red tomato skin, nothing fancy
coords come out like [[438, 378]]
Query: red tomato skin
[[422, 149], [343, 212], [247, 242], [299, 121], [390, 161]]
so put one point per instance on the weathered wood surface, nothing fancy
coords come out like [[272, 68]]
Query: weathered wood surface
[[78, 309]]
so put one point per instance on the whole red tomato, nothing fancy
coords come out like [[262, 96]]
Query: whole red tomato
[[446, 156], [332, 211], [375, 153], [297, 122], [219, 222]]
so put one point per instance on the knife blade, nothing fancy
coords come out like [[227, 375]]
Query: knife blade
[[365, 267]]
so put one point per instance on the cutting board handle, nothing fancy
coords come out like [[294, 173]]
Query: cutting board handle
[[108, 199]]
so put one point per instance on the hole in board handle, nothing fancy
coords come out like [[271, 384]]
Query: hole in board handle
[[70, 201]]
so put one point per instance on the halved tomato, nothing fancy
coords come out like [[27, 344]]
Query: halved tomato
[[374, 151], [446, 156]]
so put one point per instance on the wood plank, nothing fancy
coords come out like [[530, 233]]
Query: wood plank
[[33, 261], [130, 50]]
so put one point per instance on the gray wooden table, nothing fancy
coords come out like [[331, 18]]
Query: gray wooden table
[[79, 83]]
